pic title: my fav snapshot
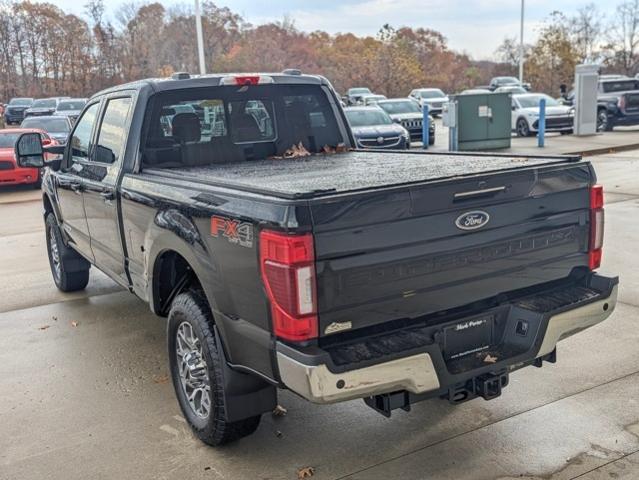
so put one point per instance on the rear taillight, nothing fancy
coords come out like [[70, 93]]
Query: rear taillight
[[621, 103], [596, 226], [288, 272]]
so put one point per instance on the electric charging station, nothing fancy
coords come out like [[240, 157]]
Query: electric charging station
[[586, 81], [449, 119]]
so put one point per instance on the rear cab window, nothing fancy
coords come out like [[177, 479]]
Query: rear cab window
[[620, 86], [227, 124]]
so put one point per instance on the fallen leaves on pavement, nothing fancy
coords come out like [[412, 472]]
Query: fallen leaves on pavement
[[43, 327], [305, 472], [279, 411], [74, 324], [160, 379]]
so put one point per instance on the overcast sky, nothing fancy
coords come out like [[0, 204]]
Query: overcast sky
[[473, 26]]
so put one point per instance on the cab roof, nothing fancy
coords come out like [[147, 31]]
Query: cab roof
[[184, 81]]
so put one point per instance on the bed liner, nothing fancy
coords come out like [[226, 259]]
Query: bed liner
[[329, 174]]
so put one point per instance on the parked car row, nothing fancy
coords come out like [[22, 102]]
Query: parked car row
[[52, 118], [23, 107], [391, 124], [10, 172]]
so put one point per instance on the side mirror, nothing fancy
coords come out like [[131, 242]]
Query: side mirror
[[29, 152]]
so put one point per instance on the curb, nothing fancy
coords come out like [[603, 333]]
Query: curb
[[604, 150]]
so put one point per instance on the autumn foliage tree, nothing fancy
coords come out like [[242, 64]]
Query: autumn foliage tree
[[46, 51]]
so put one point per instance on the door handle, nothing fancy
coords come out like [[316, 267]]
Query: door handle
[[478, 193], [107, 195]]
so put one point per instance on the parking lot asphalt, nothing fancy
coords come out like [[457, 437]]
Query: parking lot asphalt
[[86, 395]]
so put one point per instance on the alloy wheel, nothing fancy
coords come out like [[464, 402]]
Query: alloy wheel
[[194, 373], [55, 253]]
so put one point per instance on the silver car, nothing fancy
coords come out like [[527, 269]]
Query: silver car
[[70, 108], [433, 97]]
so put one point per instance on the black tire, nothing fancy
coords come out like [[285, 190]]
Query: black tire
[[191, 307], [522, 128], [566, 132], [73, 272], [603, 122]]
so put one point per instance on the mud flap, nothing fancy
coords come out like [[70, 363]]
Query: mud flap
[[245, 395]]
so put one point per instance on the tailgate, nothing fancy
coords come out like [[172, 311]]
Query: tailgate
[[407, 252], [631, 103]]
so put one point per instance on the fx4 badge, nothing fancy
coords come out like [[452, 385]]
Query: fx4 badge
[[472, 220], [235, 231]]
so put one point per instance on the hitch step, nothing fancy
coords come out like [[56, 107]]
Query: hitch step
[[487, 386], [388, 402]]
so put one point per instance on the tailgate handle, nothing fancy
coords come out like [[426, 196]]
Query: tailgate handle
[[485, 192]]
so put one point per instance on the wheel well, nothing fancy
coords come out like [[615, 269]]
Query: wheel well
[[48, 208], [172, 274]]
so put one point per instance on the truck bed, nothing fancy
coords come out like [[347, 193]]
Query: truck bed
[[350, 171]]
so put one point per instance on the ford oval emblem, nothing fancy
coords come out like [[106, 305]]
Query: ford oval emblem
[[472, 220]]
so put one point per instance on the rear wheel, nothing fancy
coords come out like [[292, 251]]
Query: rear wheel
[[69, 269], [523, 129], [196, 370], [603, 122]]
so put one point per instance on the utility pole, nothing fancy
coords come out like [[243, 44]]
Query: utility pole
[[521, 45], [200, 40]]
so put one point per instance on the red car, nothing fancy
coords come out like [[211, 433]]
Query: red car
[[10, 173]]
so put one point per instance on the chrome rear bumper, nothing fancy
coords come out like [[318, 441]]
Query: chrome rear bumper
[[417, 373]]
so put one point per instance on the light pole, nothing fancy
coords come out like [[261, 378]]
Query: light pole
[[200, 40], [521, 45]]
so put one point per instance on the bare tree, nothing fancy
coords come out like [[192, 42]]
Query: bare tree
[[623, 36], [586, 28], [508, 51]]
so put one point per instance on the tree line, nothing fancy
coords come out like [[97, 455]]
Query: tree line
[[45, 51], [609, 38]]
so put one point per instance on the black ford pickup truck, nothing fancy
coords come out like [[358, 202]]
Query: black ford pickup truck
[[235, 206]]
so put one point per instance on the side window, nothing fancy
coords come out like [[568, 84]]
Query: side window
[[112, 131], [81, 138]]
